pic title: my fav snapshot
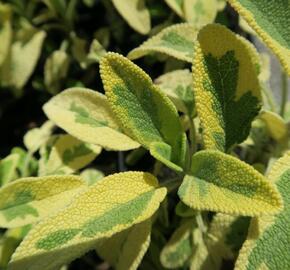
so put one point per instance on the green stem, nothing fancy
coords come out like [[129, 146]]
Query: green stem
[[284, 93], [200, 223]]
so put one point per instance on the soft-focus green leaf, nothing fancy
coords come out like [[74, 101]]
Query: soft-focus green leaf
[[8, 167], [91, 176]]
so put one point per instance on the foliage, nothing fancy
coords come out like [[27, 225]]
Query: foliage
[[203, 171]]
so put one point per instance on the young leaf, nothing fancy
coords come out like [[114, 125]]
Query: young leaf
[[199, 12], [270, 20], [125, 250], [5, 31], [179, 248], [85, 114], [275, 124], [8, 167], [220, 182], [55, 71], [267, 244], [176, 6], [227, 91], [143, 110], [91, 176], [177, 85], [135, 13], [113, 204], [28, 200], [68, 155], [176, 41]]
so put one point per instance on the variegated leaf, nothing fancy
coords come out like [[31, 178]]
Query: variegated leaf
[[125, 250], [28, 200], [227, 90], [270, 19], [112, 205], [220, 182], [85, 114], [176, 41], [267, 244], [143, 110]]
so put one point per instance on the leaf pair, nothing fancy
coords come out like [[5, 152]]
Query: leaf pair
[[112, 205]]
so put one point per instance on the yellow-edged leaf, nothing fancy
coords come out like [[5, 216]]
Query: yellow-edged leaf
[[85, 114], [135, 14], [143, 110], [220, 182], [31, 199], [227, 90], [268, 240], [270, 19], [176, 41], [112, 205], [125, 250]]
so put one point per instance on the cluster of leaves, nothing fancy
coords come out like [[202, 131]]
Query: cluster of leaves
[[213, 133]]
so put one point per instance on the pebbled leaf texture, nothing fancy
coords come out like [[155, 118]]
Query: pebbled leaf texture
[[175, 41], [143, 110], [113, 204], [222, 183], [125, 250], [177, 85], [135, 14], [267, 244], [31, 199], [227, 90], [85, 114], [270, 19]]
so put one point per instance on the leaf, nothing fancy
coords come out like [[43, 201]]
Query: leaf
[[275, 124], [222, 183], [68, 155], [85, 114], [5, 31], [36, 137], [176, 6], [135, 14], [199, 12], [31, 199], [175, 41], [24, 56], [55, 71], [91, 176], [125, 250], [270, 20], [8, 167], [143, 110], [267, 244], [227, 234], [178, 249], [112, 205], [227, 91], [177, 85]]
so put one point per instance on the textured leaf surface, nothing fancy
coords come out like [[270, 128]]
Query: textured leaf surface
[[85, 114], [112, 205], [177, 85], [28, 200], [267, 244], [199, 12], [227, 91], [275, 124], [143, 110], [270, 19], [8, 167], [220, 182], [179, 247], [135, 13], [5, 31], [227, 234], [176, 41], [68, 155], [125, 250]]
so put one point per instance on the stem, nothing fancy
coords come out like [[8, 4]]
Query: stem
[[284, 93], [200, 223], [26, 164], [192, 138], [270, 99]]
